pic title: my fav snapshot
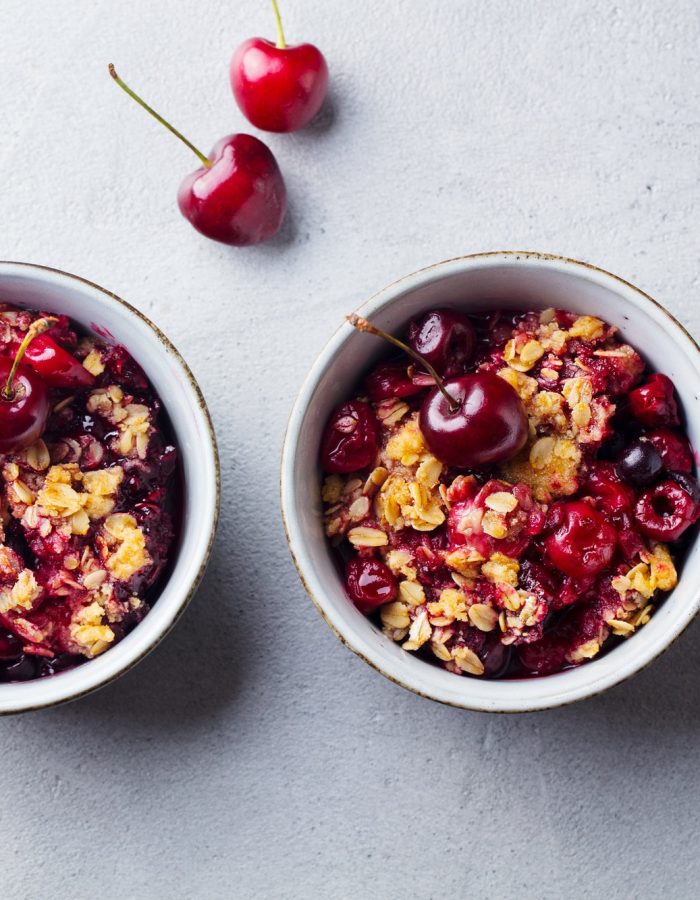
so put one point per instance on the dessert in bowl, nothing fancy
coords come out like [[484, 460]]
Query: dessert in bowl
[[513, 552], [109, 486]]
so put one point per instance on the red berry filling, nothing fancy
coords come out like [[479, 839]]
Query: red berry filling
[[91, 504], [511, 519]]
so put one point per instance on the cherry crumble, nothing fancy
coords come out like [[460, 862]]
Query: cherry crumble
[[509, 495], [87, 509]]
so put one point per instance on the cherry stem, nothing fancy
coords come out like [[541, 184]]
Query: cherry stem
[[281, 43], [36, 328], [367, 327], [149, 109]]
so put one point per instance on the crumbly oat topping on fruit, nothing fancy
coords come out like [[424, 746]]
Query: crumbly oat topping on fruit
[[86, 511], [489, 571]]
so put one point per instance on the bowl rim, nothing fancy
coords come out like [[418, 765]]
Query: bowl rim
[[6, 267], [323, 359]]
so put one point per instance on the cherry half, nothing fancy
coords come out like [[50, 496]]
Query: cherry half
[[237, 196], [445, 338], [654, 403], [24, 399], [278, 87], [369, 583], [350, 440], [583, 543]]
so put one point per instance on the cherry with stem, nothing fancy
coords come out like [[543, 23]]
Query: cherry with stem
[[237, 196]]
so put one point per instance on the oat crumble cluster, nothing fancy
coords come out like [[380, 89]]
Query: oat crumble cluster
[[471, 583], [86, 512]]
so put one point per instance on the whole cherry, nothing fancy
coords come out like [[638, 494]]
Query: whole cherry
[[369, 583], [654, 403], [390, 380], [24, 399], [237, 196], [640, 463], [445, 338], [278, 87], [480, 422], [467, 422], [583, 543], [350, 440], [665, 511]]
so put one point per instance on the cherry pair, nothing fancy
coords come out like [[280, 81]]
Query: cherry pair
[[238, 195], [24, 398]]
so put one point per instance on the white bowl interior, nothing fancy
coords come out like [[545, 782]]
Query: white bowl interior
[[115, 322], [477, 283]]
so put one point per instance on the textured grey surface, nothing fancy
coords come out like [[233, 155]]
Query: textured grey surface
[[252, 755]]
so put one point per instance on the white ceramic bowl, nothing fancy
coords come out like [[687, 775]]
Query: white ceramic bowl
[[485, 280], [103, 312]]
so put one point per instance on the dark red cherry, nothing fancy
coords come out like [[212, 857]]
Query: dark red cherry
[[640, 463], [487, 424], [390, 380], [350, 440], [654, 403], [369, 584], [57, 366], [673, 448], [24, 413], [279, 87], [603, 481], [665, 511], [583, 544], [445, 338], [238, 197]]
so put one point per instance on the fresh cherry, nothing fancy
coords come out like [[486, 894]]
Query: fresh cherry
[[278, 87], [350, 440], [57, 366], [673, 448], [237, 196], [654, 403], [640, 463], [583, 544], [369, 583], [24, 399], [471, 421], [481, 422], [445, 338], [665, 511]]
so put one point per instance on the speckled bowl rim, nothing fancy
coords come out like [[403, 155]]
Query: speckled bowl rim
[[287, 487], [212, 445]]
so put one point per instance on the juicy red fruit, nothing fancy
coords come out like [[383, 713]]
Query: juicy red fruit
[[583, 543], [350, 440], [241, 198], [446, 339], [369, 583], [278, 88], [57, 366], [24, 416], [673, 448], [665, 511], [489, 424], [654, 403], [390, 380]]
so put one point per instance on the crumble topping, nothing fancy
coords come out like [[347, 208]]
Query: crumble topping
[[86, 520], [464, 548]]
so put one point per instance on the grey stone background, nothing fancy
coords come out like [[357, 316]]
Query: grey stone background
[[251, 755]]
